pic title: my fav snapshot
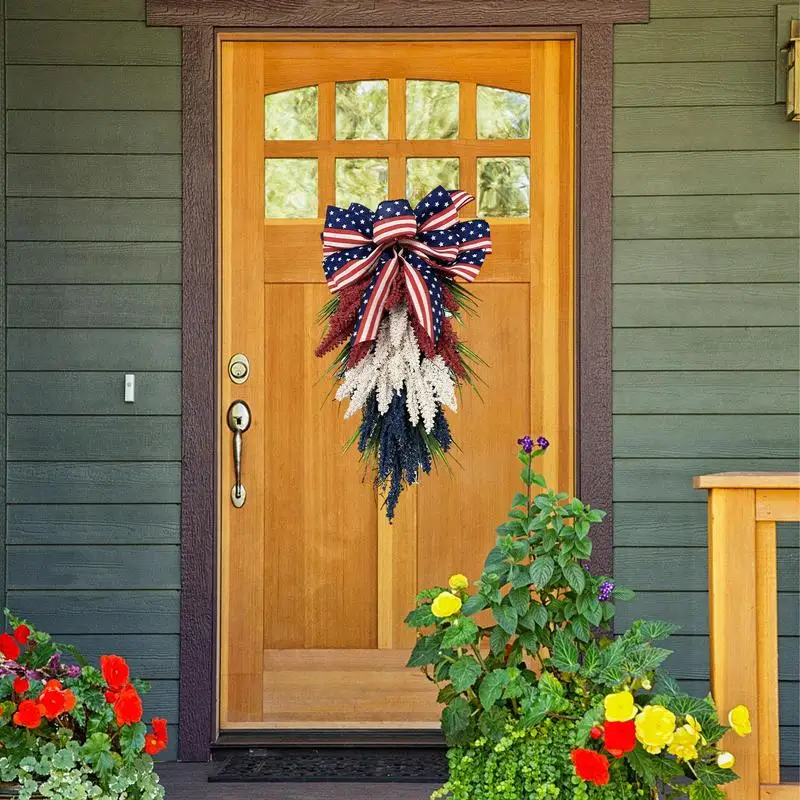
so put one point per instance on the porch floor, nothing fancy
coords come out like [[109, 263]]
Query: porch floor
[[190, 782]]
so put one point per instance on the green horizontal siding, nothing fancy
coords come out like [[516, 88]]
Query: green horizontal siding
[[88, 524], [75, 9], [93, 482], [91, 438], [94, 262], [146, 132], [106, 43], [82, 219], [60, 306], [92, 393], [97, 349], [706, 260], [93, 88], [711, 8], [677, 40], [703, 392], [65, 175]]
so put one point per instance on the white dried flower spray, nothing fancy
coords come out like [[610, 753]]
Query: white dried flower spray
[[394, 364]]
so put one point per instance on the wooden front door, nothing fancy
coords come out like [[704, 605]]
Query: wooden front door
[[314, 583]]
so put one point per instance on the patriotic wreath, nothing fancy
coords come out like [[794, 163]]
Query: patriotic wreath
[[393, 275]]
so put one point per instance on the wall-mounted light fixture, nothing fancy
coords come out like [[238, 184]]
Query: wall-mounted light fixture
[[792, 51]]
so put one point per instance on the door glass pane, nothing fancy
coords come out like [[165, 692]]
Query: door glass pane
[[431, 110], [503, 114], [424, 174], [290, 188], [362, 110], [291, 115], [362, 180], [504, 187]]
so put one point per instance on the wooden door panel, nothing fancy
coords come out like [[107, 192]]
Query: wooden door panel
[[314, 581]]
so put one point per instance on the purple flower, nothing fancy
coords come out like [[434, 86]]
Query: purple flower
[[606, 588], [55, 661], [526, 443], [543, 443], [72, 671], [34, 675]]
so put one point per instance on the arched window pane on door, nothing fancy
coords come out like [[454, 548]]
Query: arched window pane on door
[[291, 115], [432, 109], [503, 114], [362, 110], [504, 187]]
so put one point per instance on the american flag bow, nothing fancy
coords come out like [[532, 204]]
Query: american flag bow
[[421, 244]]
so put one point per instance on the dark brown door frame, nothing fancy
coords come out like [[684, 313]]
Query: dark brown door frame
[[593, 21]]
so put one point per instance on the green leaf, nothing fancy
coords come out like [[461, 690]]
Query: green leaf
[[429, 594], [527, 474], [492, 686], [684, 704], [580, 630], [456, 718], [520, 576], [506, 616], [421, 617], [535, 617], [426, 650], [651, 768], [535, 709], [622, 593], [656, 629], [493, 723], [520, 599], [464, 671], [520, 500], [699, 791], [462, 631], [645, 659], [666, 684], [474, 604], [549, 684], [594, 716], [712, 774], [131, 740], [564, 654], [498, 639], [542, 570]]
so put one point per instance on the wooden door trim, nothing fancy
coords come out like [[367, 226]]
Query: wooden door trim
[[594, 21]]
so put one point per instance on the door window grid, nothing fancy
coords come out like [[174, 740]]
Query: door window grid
[[390, 136]]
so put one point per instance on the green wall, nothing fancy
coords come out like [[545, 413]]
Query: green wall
[[93, 291], [705, 304], [706, 262]]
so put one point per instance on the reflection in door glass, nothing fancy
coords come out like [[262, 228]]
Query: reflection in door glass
[[362, 180], [504, 187], [291, 115], [431, 110], [362, 110], [290, 188], [424, 174], [503, 114]]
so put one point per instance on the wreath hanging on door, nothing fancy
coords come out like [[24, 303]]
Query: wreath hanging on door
[[393, 275]]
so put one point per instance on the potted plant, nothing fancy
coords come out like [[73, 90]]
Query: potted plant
[[69, 730], [540, 700]]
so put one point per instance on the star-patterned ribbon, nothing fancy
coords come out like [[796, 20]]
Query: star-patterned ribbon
[[420, 243]]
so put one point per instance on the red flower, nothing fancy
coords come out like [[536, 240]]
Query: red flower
[[21, 633], [160, 728], [590, 766], [157, 741], [21, 685], [55, 700], [29, 714], [128, 707], [111, 697], [620, 737], [596, 732], [9, 647], [115, 672]]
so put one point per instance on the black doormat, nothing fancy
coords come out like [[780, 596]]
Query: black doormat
[[329, 764]]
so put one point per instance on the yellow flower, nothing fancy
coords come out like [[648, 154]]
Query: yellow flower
[[619, 707], [655, 727], [684, 743], [646, 685], [725, 760], [739, 720], [695, 725], [445, 605], [458, 581]]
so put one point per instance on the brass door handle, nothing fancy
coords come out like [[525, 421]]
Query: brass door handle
[[238, 422]]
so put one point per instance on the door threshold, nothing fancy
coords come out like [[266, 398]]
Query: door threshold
[[254, 739]]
